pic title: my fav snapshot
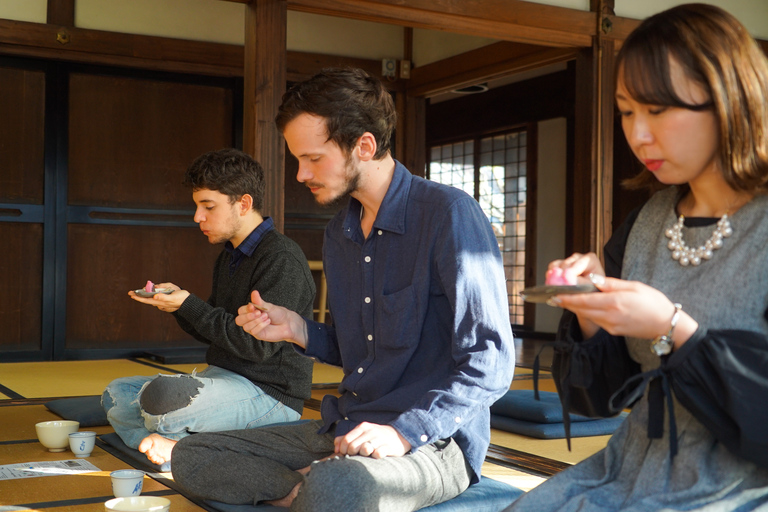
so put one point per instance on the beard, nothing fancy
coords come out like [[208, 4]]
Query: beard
[[351, 183]]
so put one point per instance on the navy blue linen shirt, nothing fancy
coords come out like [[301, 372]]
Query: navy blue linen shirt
[[421, 320], [248, 245]]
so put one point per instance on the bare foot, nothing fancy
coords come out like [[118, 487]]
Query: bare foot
[[286, 500], [157, 448]]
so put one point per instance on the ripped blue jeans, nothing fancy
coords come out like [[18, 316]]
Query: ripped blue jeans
[[175, 406]]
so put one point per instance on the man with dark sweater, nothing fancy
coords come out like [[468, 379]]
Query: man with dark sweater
[[248, 382]]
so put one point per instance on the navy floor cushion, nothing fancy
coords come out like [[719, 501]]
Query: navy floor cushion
[[85, 409], [598, 427], [488, 495], [130, 455], [521, 404]]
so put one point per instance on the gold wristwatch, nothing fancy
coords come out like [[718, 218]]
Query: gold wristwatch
[[662, 345]]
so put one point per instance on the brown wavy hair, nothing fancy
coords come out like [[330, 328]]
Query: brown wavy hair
[[351, 102], [715, 51]]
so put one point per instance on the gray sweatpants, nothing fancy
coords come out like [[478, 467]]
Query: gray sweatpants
[[251, 466]]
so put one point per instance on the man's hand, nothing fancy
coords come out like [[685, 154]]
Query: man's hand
[[168, 302], [372, 440], [269, 322]]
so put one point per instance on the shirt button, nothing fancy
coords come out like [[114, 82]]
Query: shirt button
[[367, 300], [424, 438], [380, 232], [346, 417], [367, 259], [355, 394], [370, 337], [359, 370], [457, 419]]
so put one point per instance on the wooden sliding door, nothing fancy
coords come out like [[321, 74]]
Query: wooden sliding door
[[104, 186]]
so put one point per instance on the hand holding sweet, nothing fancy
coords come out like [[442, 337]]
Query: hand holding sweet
[[627, 308], [164, 302]]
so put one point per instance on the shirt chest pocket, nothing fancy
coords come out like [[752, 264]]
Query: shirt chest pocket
[[398, 324]]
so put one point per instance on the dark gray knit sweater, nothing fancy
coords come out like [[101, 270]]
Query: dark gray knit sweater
[[278, 269]]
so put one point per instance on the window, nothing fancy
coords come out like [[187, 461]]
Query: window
[[493, 170]]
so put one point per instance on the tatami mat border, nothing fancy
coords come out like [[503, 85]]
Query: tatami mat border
[[86, 501]]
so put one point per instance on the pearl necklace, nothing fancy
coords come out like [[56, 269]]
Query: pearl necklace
[[687, 255]]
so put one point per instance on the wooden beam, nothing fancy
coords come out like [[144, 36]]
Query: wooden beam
[[263, 88], [508, 20], [39, 40], [590, 205], [410, 135], [73, 44], [490, 62], [61, 12]]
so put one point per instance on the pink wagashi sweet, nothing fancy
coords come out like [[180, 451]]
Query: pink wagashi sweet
[[149, 287], [557, 276]]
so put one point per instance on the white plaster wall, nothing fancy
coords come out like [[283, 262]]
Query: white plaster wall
[[197, 20], [34, 11], [550, 211], [752, 13], [224, 22]]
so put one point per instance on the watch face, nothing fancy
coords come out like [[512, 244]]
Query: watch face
[[661, 346]]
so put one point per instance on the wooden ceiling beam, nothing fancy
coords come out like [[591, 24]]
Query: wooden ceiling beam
[[490, 62], [507, 20], [111, 48], [40, 40]]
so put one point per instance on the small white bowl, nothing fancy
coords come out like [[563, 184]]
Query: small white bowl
[[54, 435], [139, 504]]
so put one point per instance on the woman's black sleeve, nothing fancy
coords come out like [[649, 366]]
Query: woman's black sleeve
[[720, 377], [588, 372]]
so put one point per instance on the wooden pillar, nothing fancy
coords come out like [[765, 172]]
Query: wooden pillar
[[410, 136], [264, 84], [61, 12], [591, 205]]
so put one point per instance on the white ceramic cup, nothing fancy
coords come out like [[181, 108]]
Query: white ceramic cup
[[81, 443], [127, 482]]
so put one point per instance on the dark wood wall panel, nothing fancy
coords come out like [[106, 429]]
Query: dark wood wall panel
[[21, 280], [105, 261], [130, 140], [22, 111]]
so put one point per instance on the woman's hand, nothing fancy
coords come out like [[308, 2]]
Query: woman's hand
[[627, 308], [583, 266]]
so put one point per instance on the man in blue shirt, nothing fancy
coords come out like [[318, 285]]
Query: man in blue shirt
[[421, 328]]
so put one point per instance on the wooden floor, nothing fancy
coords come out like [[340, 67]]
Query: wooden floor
[[25, 387]]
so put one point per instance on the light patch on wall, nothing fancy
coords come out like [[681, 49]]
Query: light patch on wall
[[581, 5], [34, 11], [224, 22], [434, 45], [329, 35], [196, 20], [753, 14], [550, 215]]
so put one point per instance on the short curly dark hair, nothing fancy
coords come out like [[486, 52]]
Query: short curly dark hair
[[352, 103], [229, 171]]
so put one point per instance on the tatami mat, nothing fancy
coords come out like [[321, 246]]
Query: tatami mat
[[76, 378], [38, 381]]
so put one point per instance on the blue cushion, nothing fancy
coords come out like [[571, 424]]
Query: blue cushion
[[488, 495], [598, 427], [521, 404], [85, 409]]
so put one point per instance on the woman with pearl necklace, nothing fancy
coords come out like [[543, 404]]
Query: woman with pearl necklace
[[678, 330]]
